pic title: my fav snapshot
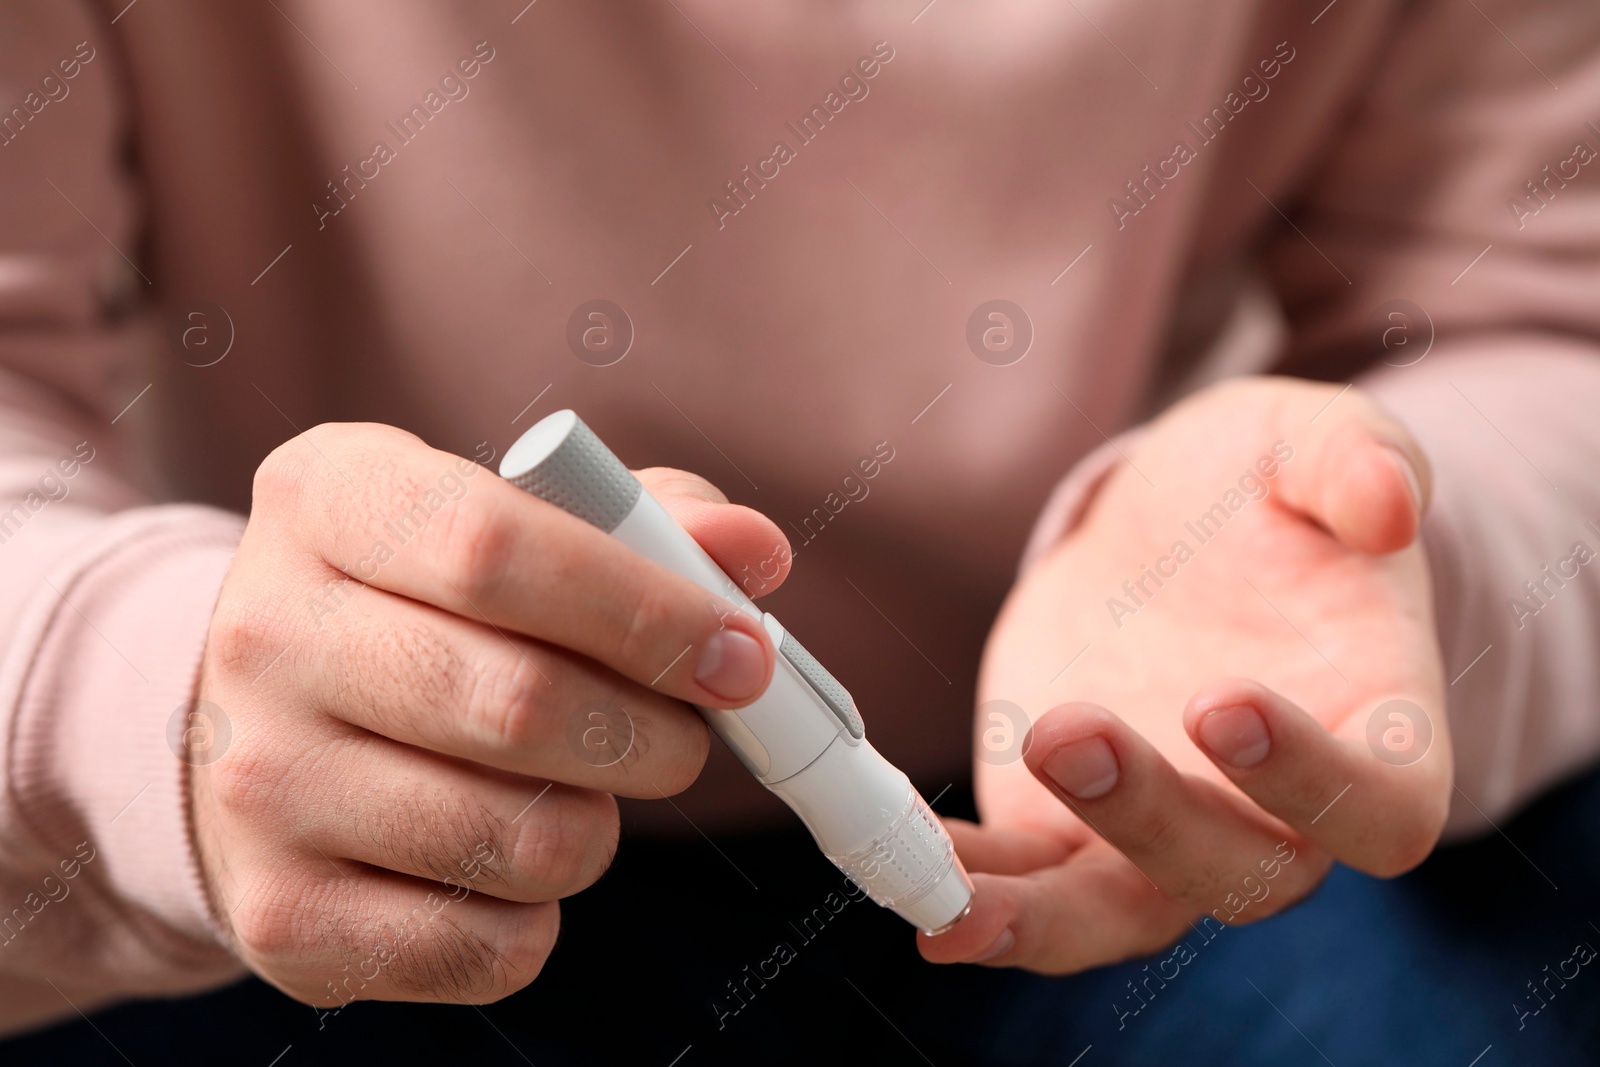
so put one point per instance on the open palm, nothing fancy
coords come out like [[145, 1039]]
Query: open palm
[[1240, 629]]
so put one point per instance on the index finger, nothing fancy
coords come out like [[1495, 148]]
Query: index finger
[[1090, 910], [382, 506]]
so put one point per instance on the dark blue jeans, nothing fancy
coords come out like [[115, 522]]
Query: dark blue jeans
[[684, 955]]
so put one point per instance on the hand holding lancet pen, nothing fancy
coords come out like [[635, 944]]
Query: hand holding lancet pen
[[803, 738]]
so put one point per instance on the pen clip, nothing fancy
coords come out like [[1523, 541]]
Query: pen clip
[[827, 688]]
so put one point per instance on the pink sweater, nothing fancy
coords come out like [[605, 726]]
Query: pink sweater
[[392, 214]]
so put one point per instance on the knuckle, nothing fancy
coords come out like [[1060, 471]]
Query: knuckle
[[1298, 796], [283, 477], [324, 437], [551, 848], [446, 836], [645, 632], [521, 946], [1150, 833], [507, 702], [434, 672], [572, 844], [1200, 889], [445, 961], [291, 472], [265, 925], [243, 780], [690, 749], [477, 546], [1389, 862], [237, 638], [527, 943], [1294, 886], [1400, 828]]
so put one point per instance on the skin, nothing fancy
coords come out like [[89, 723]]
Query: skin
[[367, 832], [1065, 883]]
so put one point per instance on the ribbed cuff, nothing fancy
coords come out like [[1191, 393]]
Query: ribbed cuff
[[124, 624]]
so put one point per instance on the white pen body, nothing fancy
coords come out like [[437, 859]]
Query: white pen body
[[768, 736], [802, 738]]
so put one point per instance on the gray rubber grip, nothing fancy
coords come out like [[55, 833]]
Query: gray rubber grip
[[836, 696], [583, 477]]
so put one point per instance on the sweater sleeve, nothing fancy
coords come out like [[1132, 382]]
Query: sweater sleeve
[[105, 595], [1462, 201]]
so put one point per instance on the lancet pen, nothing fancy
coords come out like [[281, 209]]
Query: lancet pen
[[803, 738]]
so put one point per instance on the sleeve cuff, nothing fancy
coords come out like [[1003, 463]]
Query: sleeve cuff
[[118, 636]]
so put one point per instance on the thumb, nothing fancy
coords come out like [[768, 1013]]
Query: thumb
[[1355, 472], [746, 544]]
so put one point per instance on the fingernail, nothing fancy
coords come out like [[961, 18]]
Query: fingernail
[[1085, 770], [732, 665], [1237, 735], [1409, 473], [1001, 946]]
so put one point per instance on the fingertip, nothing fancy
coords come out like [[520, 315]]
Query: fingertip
[[1073, 750], [762, 549], [1218, 694], [1064, 724], [1238, 723], [735, 664], [1378, 498], [1416, 480], [747, 545], [984, 936], [1365, 480]]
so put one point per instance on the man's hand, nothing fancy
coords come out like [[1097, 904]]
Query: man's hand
[[1247, 596], [435, 683]]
